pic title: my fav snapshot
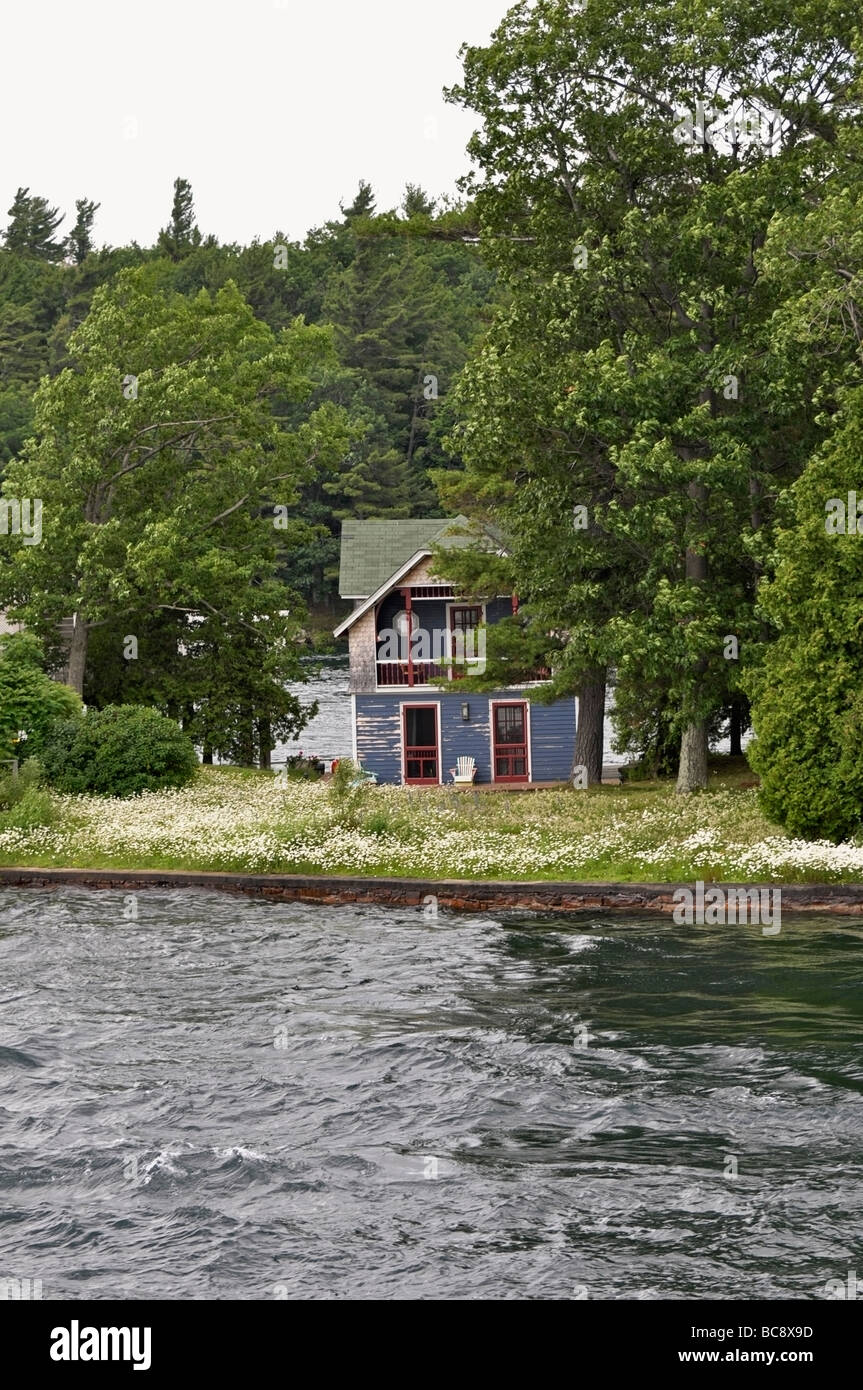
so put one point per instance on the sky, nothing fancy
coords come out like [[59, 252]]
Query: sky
[[273, 109]]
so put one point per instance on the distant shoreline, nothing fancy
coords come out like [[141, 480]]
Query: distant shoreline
[[459, 895]]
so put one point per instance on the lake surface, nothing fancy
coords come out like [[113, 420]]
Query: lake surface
[[229, 1098]]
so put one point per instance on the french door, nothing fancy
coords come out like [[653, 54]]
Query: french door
[[420, 735], [509, 726]]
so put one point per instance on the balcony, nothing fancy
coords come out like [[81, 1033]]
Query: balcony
[[418, 673]]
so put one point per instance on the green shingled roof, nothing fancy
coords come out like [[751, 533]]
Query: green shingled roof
[[372, 551]]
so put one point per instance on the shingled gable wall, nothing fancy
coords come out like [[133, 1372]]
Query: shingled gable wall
[[362, 637]]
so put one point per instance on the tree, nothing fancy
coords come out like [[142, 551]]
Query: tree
[[806, 674], [807, 702], [79, 242], [157, 458], [416, 202], [363, 204], [30, 701], [32, 226], [181, 234], [638, 249]]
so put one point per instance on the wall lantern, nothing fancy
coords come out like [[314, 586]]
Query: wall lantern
[[465, 713]]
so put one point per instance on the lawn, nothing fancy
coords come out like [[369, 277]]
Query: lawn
[[233, 820]]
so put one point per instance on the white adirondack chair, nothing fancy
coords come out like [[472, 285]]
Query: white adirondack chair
[[465, 770]]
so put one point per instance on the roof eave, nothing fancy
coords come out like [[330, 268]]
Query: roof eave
[[382, 591]]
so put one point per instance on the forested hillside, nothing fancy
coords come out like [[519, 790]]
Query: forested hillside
[[405, 310]]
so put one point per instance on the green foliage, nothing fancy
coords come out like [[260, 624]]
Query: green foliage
[[119, 751], [636, 301], [31, 811], [79, 242], [348, 794], [181, 233], [31, 228], [30, 702], [302, 769], [15, 786], [807, 704]]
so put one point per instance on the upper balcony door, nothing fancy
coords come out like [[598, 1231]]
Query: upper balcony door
[[509, 737], [464, 621]]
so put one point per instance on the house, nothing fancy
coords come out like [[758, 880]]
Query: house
[[406, 629]]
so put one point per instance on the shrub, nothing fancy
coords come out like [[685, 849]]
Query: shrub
[[13, 788], [378, 823], [301, 769], [33, 808], [119, 751], [348, 793], [29, 700]]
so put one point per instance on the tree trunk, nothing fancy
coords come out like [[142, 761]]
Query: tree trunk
[[692, 775], [591, 727], [265, 743], [78, 655], [207, 755], [246, 742], [736, 729]]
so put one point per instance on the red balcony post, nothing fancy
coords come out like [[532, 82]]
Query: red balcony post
[[406, 594]]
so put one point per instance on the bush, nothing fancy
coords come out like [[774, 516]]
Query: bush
[[30, 702], [348, 793], [119, 751], [34, 808], [301, 769], [13, 789]]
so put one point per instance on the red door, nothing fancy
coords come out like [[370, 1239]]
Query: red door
[[510, 742], [420, 736]]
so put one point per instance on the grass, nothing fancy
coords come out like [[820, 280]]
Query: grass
[[244, 821]]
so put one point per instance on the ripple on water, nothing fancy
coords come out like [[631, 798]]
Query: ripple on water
[[228, 1098]]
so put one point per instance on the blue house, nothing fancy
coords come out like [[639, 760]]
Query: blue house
[[406, 629]]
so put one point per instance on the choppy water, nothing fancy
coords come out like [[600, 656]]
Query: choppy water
[[328, 735], [229, 1098]]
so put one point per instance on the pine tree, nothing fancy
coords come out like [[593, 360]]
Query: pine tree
[[32, 226], [416, 202], [181, 233], [79, 242], [363, 204]]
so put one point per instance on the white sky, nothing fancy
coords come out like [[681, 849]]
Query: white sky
[[273, 109]]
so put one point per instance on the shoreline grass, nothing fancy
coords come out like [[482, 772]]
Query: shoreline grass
[[242, 821]]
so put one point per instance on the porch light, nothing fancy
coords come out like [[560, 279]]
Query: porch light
[[465, 712]]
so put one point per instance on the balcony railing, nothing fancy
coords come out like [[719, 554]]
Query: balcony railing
[[420, 672], [428, 672]]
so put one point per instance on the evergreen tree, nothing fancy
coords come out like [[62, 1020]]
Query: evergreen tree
[[79, 242], [363, 204], [32, 227], [417, 203], [181, 234]]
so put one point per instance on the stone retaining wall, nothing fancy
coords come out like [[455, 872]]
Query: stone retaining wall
[[456, 894]]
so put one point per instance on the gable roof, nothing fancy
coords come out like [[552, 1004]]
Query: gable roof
[[373, 551]]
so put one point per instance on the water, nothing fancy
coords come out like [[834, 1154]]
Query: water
[[328, 735], [230, 1098]]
